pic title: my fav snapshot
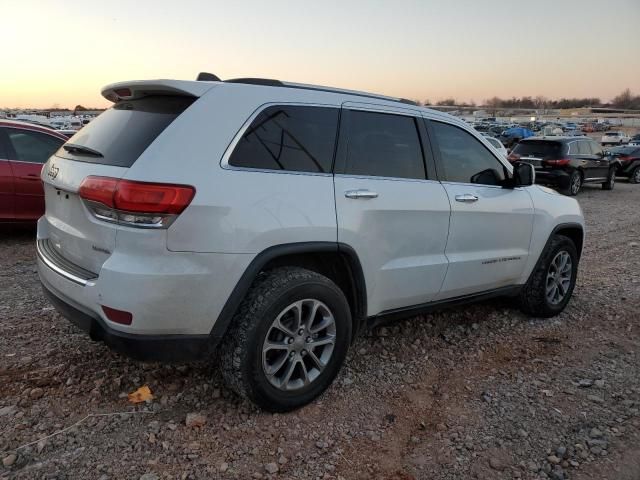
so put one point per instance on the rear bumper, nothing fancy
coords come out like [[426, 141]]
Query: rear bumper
[[556, 178], [140, 347]]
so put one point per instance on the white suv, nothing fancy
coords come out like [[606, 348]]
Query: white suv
[[276, 221]]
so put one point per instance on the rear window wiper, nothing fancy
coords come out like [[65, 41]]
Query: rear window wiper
[[80, 150]]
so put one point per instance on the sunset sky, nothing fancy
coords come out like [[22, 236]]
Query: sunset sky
[[64, 52]]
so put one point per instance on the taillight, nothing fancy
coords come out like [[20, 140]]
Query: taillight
[[561, 162], [140, 204], [513, 157]]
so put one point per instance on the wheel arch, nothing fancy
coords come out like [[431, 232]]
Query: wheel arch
[[573, 231], [338, 262]]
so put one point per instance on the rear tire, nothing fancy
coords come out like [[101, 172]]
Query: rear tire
[[634, 177], [549, 288], [575, 184], [275, 353], [611, 180]]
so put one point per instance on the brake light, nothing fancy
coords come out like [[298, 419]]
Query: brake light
[[513, 157], [561, 162], [123, 92], [135, 203]]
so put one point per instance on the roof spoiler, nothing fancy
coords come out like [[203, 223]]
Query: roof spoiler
[[142, 88]]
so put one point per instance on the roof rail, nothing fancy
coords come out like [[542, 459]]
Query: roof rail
[[277, 83], [257, 81]]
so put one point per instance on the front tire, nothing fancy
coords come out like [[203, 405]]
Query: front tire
[[611, 180], [634, 177], [288, 340], [551, 284]]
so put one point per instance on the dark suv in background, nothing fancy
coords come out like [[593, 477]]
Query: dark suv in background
[[629, 162], [567, 162]]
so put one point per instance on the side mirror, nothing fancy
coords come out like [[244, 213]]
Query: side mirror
[[524, 174]]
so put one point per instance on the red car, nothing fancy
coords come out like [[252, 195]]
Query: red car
[[24, 148]]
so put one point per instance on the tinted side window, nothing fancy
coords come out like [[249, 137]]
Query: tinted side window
[[583, 147], [464, 159], [30, 146], [596, 149], [3, 149], [383, 145], [294, 138]]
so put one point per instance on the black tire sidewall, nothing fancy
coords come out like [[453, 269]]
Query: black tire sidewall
[[260, 389], [632, 176]]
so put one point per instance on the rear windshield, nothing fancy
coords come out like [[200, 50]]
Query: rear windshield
[[119, 135], [539, 149]]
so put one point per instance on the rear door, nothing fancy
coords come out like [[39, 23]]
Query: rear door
[[491, 226], [28, 151], [580, 152], [598, 156], [6, 181], [107, 147], [389, 208]]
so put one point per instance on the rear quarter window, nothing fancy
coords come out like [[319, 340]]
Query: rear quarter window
[[289, 137], [124, 131]]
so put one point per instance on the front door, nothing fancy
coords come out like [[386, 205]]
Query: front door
[[491, 226], [388, 210]]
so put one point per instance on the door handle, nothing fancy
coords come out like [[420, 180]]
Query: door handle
[[361, 193], [466, 198]]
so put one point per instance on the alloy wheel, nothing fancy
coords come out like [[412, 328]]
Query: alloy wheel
[[575, 184], [559, 277], [299, 344]]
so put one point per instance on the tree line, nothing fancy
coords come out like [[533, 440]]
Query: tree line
[[626, 100]]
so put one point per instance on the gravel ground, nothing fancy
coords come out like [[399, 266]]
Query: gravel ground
[[477, 392]]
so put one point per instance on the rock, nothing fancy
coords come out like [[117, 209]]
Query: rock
[[523, 433], [441, 427], [496, 463], [9, 410], [573, 463], [561, 451], [9, 460], [585, 383], [595, 398], [282, 460], [36, 393], [553, 459], [596, 450], [154, 426], [271, 468], [595, 433], [224, 466], [599, 383], [195, 420], [533, 466], [149, 476]]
